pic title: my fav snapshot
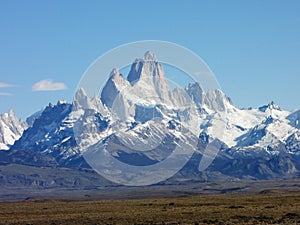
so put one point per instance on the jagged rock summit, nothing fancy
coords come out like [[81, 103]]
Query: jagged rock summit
[[11, 129], [147, 66]]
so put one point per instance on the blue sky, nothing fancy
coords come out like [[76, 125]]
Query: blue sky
[[253, 47]]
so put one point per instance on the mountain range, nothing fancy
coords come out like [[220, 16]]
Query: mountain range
[[141, 120]]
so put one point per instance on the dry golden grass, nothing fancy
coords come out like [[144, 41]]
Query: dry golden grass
[[218, 209]]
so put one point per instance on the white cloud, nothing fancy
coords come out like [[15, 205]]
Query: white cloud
[[48, 85], [5, 94], [6, 85]]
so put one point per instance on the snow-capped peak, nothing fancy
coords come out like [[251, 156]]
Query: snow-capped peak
[[196, 93], [270, 106], [150, 57], [146, 80], [113, 87], [61, 102], [11, 113], [146, 68], [119, 81], [216, 100], [11, 128], [82, 101], [114, 72]]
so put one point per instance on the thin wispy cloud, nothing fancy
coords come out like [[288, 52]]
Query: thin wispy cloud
[[6, 85], [48, 85], [5, 94]]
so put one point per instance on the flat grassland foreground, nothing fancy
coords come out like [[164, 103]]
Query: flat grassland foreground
[[263, 208]]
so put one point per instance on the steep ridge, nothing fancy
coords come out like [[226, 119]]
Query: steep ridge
[[52, 135]]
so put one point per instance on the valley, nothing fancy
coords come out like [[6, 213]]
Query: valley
[[263, 208]]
